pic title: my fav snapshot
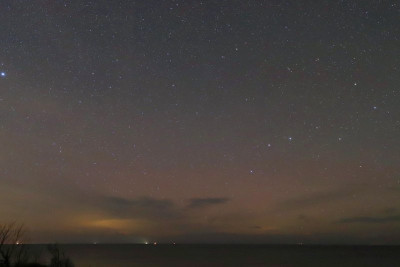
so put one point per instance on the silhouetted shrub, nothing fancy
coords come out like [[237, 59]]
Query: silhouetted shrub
[[58, 258]]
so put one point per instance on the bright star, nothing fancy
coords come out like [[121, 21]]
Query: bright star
[[3, 74]]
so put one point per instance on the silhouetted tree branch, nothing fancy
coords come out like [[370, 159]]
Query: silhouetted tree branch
[[12, 250]]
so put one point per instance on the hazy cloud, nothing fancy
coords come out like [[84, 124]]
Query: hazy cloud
[[386, 219], [151, 208], [206, 202], [143, 207], [390, 210], [312, 199]]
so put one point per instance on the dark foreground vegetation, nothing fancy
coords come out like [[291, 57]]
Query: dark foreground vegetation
[[14, 253]]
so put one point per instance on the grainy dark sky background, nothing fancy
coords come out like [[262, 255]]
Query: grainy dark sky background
[[201, 121]]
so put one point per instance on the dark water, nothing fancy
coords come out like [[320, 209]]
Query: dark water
[[227, 255]]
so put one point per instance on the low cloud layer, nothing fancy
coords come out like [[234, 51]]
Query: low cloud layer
[[206, 202], [310, 200], [385, 219], [153, 208], [143, 207]]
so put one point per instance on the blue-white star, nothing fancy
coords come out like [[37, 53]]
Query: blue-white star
[[3, 74]]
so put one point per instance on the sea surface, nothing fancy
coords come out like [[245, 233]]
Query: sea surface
[[225, 255]]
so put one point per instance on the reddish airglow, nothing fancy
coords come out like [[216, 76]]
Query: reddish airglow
[[138, 122]]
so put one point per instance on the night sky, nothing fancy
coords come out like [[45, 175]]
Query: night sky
[[201, 121]]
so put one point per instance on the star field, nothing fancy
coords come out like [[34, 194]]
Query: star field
[[201, 121]]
